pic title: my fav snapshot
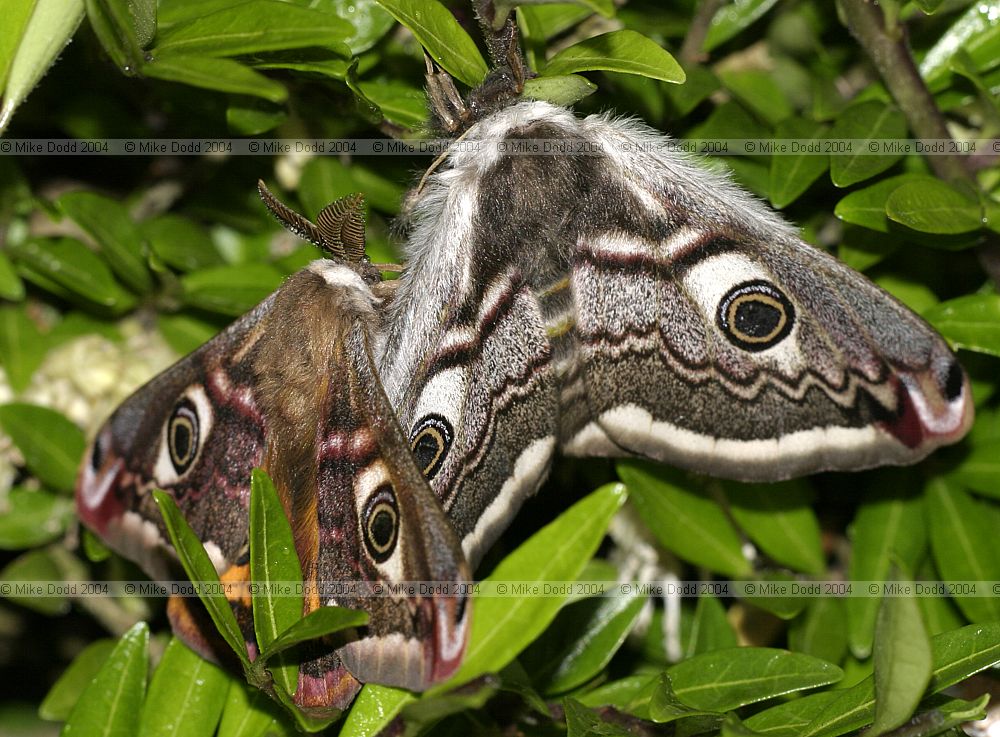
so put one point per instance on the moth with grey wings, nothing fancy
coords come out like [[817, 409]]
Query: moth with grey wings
[[610, 297], [614, 298]]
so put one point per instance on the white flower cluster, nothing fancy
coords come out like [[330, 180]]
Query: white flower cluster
[[85, 379]]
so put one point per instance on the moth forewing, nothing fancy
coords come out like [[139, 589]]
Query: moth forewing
[[674, 316]]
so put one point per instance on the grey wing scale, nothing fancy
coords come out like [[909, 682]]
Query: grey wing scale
[[584, 288]]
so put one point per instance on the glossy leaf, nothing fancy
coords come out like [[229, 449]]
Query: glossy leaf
[[36, 565], [51, 444], [965, 545], [504, 626], [180, 243], [439, 33], [683, 518], [791, 175], [247, 712], [65, 692], [323, 621], [889, 523], [230, 290], [902, 662], [33, 41], [821, 630], [581, 641], [732, 19], [759, 92], [976, 32], [252, 27], [979, 469], [76, 270], [727, 679], [665, 706], [29, 518], [932, 206], [199, 568], [186, 695], [109, 224], [779, 518], [710, 629], [868, 123], [866, 206], [374, 709], [109, 705], [792, 717], [564, 89], [625, 51], [584, 722], [971, 322], [223, 75], [273, 560], [22, 346]]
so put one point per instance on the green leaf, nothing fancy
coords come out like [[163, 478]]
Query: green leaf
[[728, 679], [436, 29], [29, 43], [22, 346], [779, 518], [36, 565], [184, 332], [821, 630], [248, 712], [581, 641], [965, 545], [374, 708], [114, 26], [78, 270], [323, 621], [11, 286], [773, 593], [272, 560], [180, 243], [979, 470], [250, 116], [51, 444], [186, 695], [868, 123], [503, 626], [223, 75], [759, 92], [792, 717], [933, 207], [252, 27], [109, 224], [199, 568], [584, 722], [902, 662], [710, 629], [564, 89], [400, 103], [791, 175], [683, 518], [971, 322], [956, 656], [230, 290], [889, 524], [109, 705], [29, 518], [732, 19], [976, 32], [65, 692], [370, 22], [866, 206], [630, 694], [625, 51], [665, 706]]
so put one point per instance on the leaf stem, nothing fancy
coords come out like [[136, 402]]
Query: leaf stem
[[698, 30]]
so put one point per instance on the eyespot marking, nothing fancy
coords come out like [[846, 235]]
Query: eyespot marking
[[382, 523], [182, 435], [755, 315], [430, 440]]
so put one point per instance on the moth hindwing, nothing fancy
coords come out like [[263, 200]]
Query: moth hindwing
[[292, 387]]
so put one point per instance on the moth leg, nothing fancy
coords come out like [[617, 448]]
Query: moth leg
[[447, 104]]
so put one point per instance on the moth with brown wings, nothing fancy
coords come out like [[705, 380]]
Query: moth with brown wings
[[625, 302]]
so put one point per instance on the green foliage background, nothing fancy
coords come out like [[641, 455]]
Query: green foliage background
[[112, 266]]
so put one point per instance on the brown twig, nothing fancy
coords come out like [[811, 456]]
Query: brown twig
[[888, 51], [691, 48]]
